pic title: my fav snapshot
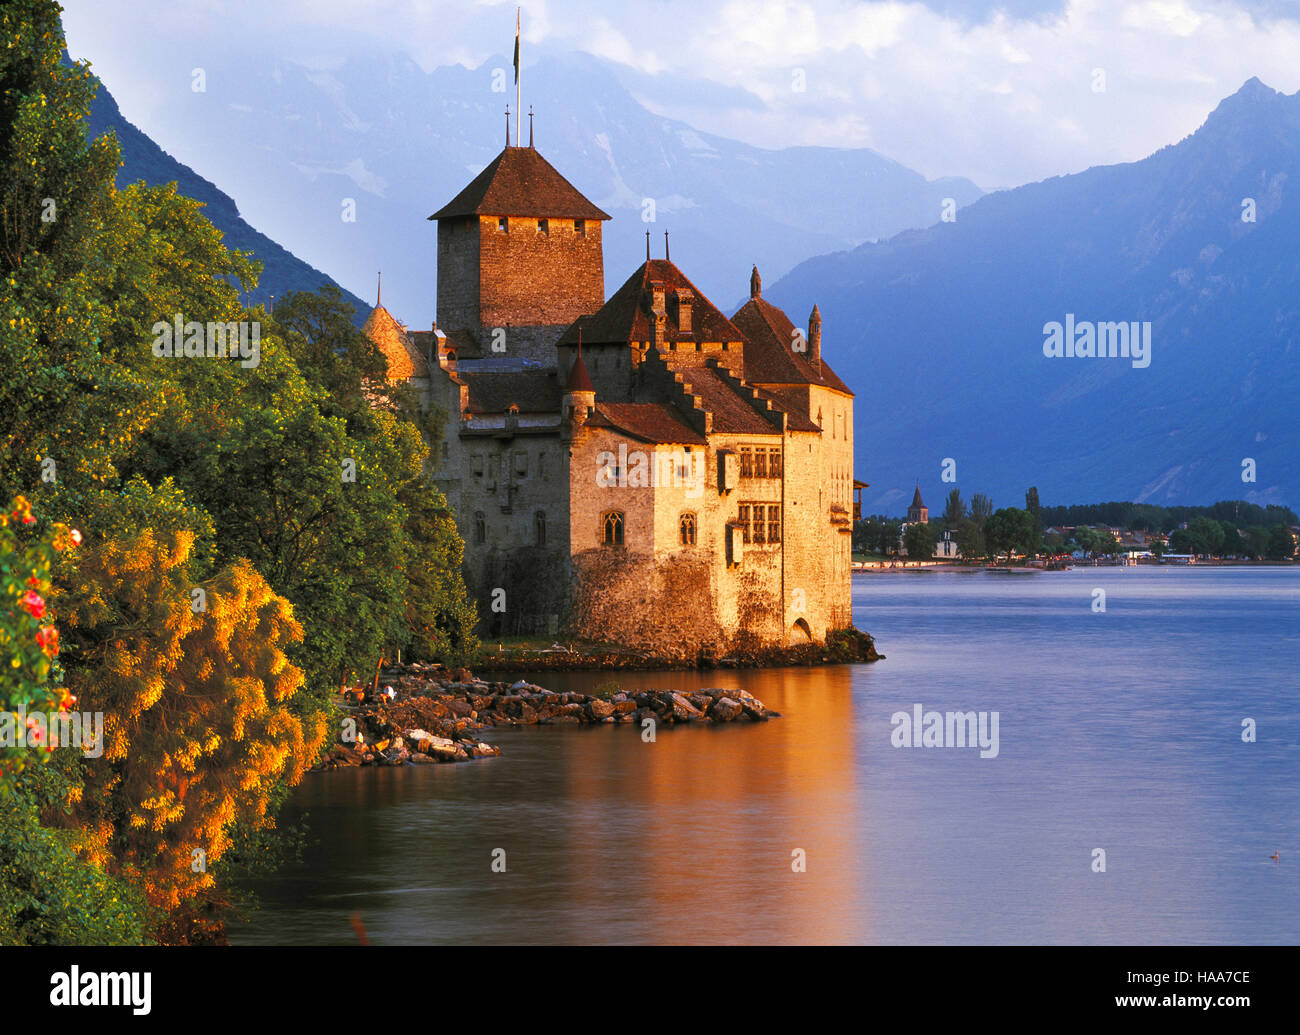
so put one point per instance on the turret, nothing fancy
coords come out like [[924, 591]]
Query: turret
[[579, 394]]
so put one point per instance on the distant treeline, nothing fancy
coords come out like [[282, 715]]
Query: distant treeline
[[1154, 518]]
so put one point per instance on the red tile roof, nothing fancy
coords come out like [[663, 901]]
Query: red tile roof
[[625, 317], [649, 422], [769, 359], [520, 182], [732, 414], [497, 391]]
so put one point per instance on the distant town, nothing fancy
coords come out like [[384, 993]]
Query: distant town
[[1227, 532]]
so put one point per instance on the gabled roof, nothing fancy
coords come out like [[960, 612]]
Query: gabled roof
[[769, 359], [520, 182], [649, 422], [404, 359], [624, 318], [496, 391]]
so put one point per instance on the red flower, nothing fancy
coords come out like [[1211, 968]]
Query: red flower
[[48, 640], [33, 602]]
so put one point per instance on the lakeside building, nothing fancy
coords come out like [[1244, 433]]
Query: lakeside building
[[642, 468]]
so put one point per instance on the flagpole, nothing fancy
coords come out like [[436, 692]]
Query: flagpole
[[518, 70]]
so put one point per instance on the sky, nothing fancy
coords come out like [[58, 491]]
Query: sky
[[1001, 91]]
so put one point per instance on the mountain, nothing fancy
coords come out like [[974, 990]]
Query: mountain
[[942, 331], [295, 144], [142, 159]]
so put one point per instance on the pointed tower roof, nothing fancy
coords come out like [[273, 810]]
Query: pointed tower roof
[[404, 359], [520, 182], [579, 379], [916, 498]]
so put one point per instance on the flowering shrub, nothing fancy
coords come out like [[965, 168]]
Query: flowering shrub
[[29, 640]]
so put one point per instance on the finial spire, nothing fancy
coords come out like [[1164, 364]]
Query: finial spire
[[755, 284], [647, 246], [666, 255], [530, 125], [507, 125], [379, 291]]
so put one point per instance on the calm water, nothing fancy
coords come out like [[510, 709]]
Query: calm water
[[1119, 731]]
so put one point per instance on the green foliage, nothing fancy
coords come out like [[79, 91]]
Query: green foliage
[[918, 540], [1011, 530]]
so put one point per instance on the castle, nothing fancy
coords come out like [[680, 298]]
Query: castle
[[642, 469]]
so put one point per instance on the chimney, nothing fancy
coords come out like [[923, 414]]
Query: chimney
[[658, 312], [685, 299], [815, 338]]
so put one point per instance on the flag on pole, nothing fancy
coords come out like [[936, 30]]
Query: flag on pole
[[516, 46]]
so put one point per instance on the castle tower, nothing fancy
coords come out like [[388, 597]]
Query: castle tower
[[519, 259]]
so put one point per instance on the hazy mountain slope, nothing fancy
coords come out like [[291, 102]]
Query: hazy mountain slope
[[941, 330], [142, 159]]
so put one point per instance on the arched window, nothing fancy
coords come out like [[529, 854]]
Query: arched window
[[480, 527], [539, 528], [687, 525], [612, 527]]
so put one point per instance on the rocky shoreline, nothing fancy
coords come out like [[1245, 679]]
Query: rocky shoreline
[[843, 647], [425, 714]]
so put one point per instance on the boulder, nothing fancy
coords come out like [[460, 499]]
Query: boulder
[[725, 709], [599, 710], [683, 710]]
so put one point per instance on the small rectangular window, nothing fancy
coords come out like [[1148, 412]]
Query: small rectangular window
[[503, 226], [742, 519], [760, 463], [774, 524], [580, 227], [746, 464], [543, 226], [774, 463]]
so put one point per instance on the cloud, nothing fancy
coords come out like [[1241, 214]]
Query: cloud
[[1001, 91]]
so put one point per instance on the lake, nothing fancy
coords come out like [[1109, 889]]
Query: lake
[[1118, 730]]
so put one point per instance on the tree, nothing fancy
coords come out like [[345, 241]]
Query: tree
[[1257, 537], [1206, 536], [1010, 529], [1281, 543], [970, 540], [954, 511], [197, 694], [980, 508], [918, 540]]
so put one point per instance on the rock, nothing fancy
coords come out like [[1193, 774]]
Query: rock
[[701, 701], [683, 710], [519, 685], [459, 707], [418, 759], [725, 709], [599, 710], [624, 707]]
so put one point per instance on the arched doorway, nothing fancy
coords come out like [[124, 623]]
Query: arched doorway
[[800, 633]]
